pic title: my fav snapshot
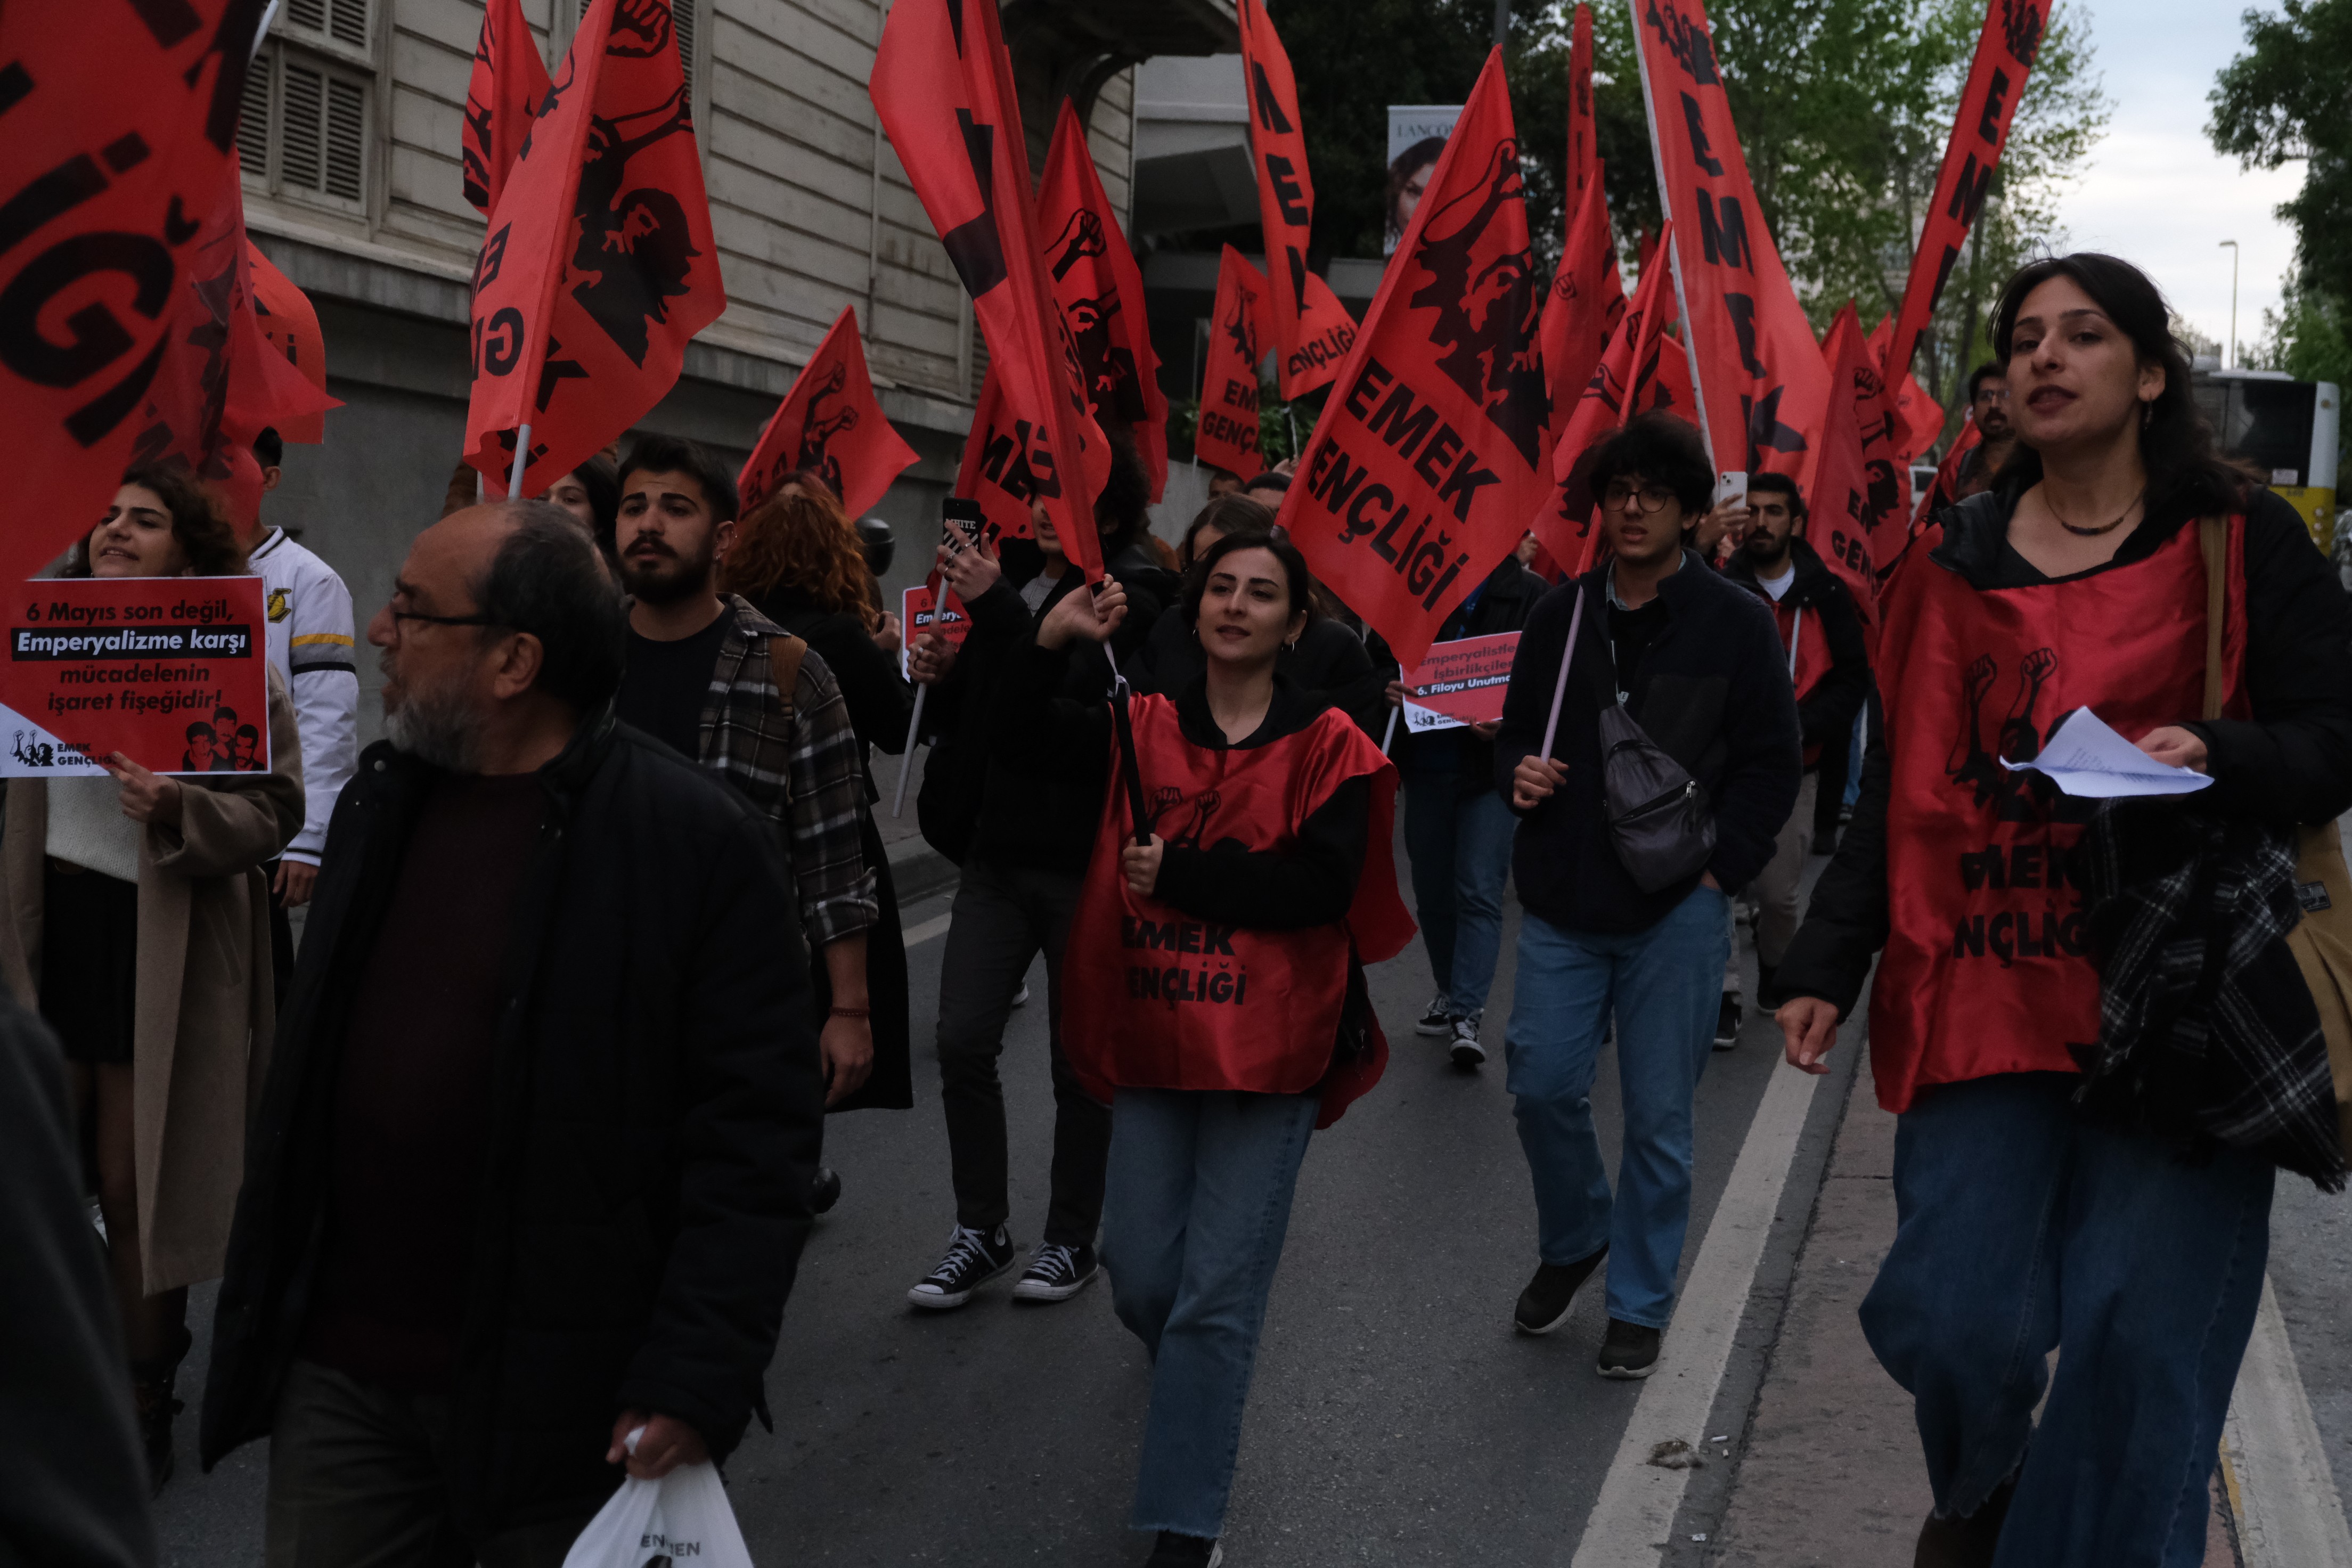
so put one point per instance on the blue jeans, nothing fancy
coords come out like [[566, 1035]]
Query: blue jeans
[[1197, 1205], [1664, 985], [2021, 1229], [1460, 846]]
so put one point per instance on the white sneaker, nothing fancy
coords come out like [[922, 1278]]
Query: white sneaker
[[1438, 1022]]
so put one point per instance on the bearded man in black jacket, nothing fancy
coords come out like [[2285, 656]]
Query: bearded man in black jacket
[[532, 1169]]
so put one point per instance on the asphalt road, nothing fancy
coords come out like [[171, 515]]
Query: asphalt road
[[1395, 1417]]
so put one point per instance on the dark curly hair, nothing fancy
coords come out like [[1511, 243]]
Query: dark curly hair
[[199, 522], [1230, 513]]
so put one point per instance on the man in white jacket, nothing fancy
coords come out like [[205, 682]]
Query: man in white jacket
[[311, 645]]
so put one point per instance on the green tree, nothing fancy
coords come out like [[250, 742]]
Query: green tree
[[2290, 96]]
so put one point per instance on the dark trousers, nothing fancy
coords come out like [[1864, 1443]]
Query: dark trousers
[[1003, 916], [358, 1479], [2021, 1229], [282, 938]]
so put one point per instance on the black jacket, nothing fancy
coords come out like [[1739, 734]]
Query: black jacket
[[1712, 691], [1825, 714], [880, 701], [1504, 600], [657, 1109], [2291, 763], [1010, 810]]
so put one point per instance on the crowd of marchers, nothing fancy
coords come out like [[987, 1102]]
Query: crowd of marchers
[[518, 1157]]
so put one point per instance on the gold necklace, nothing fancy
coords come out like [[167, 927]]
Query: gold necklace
[[2092, 532]]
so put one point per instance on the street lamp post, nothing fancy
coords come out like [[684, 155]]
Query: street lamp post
[[2230, 360]]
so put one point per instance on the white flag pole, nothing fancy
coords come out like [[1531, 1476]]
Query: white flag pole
[[1673, 243]]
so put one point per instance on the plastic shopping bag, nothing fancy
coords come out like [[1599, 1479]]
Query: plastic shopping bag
[[682, 1520]]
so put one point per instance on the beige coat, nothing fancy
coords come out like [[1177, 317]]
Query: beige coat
[[205, 1008]]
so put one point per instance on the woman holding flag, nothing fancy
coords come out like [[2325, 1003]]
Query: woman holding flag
[[2058, 1186], [1214, 989]]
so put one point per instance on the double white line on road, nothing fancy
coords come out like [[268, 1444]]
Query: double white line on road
[[1638, 1499]]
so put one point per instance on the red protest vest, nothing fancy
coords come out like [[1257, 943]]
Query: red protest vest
[[1810, 659], [1152, 998], [1985, 969]]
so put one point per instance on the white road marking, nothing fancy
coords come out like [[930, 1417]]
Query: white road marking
[[1636, 1507], [936, 926], [2281, 1486]]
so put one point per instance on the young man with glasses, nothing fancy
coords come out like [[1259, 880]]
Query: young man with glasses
[[1694, 662], [1988, 405]]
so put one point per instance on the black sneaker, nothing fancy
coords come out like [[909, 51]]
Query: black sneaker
[[1468, 1054], [1174, 1550], [1726, 1023], [1768, 987], [1057, 1273], [1628, 1351], [1437, 1020], [825, 1191], [974, 1259], [1545, 1304]]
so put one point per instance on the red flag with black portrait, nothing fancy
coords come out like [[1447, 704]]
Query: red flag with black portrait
[[1227, 432], [830, 424], [122, 142], [1099, 288], [1006, 462], [509, 82], [1312, 331], [1429, 459], [290, 324], [942, 85], [1762, 387], [1631, 379], [1856, 519], [1582, 306], [599, 264], [2005, 45]]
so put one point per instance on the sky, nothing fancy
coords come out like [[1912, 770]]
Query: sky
[[2155, 192]]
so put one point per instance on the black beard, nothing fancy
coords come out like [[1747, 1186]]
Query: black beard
[[1760, 558], [665, 579]]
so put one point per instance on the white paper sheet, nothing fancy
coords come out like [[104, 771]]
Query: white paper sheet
[[2090, 761]]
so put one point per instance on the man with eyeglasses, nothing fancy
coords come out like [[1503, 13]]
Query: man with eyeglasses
[[1694, 662], [1988, 405], [531, 1167]]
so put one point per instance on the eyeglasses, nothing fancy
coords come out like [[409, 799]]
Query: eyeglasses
[[1992, 394], [1621, 494], [475, 620]]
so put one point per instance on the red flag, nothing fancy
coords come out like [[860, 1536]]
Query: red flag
[[2006, 46], [1856, 516], [830, 423], [1582, 306], [1006, 462], [1227, 432], [1312, 331], [1583, 143], [1099, 288], [599, 264], [1762, 387], [1625, 383], [508, 85], [1919, 417], [1948, 472], [1428, 460], [122, 143], [943, 86], [290, 324]]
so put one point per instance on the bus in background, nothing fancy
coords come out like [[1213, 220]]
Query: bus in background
[[2285, 430]]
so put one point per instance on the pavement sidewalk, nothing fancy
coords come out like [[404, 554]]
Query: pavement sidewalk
[[1829, 1476]]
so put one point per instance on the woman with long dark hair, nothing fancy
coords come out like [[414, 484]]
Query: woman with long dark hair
[[2055, 1189], [1213, 989], [137, 921]]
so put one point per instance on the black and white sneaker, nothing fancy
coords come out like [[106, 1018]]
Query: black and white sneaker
[[974, 1259], [1174, 1550], [1551, 1296], [825, 1191], [1726, 1023], [1468, 1054], [1021, 997], [1438, 1020], [1629, 1349], [1057, 1273]]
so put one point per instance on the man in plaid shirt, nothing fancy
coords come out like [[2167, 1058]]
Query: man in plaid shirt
[[709, 674]]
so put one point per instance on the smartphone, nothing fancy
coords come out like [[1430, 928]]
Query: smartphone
[[960, 522], [1731, 486]]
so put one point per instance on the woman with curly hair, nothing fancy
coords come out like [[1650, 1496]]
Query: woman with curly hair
[[797, 558], [137, 921]]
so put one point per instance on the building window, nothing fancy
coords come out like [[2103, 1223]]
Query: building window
[[303, 131]]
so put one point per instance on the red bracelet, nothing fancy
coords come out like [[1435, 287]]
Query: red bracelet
[[853, 1011]]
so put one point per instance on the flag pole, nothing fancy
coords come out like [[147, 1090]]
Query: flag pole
[[1559, 687], [907, 757], [1390, 733], [1672, 247], [522, 461]]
